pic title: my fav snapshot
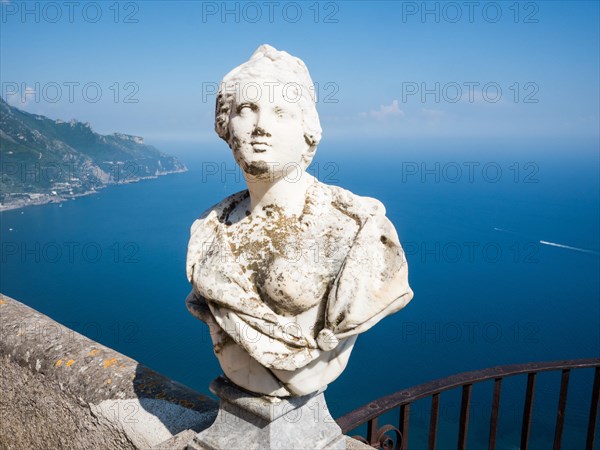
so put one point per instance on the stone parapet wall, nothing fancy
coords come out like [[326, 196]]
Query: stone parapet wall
[[63, 390]]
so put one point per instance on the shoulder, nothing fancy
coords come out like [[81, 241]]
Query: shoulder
[[220, 211], [352, 204]]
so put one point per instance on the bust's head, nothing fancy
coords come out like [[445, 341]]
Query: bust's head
[[267, 114]]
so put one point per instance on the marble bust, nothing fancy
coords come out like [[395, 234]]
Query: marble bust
[[288, 272]]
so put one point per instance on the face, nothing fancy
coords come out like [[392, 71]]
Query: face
[[266, 130]]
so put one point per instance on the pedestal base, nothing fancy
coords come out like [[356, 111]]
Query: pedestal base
[[247, 421]]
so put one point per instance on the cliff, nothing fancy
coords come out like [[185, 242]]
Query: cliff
[[45, 160]]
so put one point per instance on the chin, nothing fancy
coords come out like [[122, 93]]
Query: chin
[[258, 169]]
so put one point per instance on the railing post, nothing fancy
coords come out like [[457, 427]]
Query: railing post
[[372, 427], [465, 404], [433, 420], [562, 403], [403, 425], [591, 431], [527, 411], [495, 412]]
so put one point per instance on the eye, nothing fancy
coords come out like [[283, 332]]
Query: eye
[[245, 107]]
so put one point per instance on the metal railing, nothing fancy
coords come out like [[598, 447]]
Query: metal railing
[[378, 436]]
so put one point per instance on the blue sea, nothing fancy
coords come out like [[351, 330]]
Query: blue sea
[[502, 241]]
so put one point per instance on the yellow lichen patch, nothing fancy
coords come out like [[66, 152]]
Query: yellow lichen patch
[[109, 362], [58, 363], [3, 302], [69, 363], [109, 381], [94, 352]]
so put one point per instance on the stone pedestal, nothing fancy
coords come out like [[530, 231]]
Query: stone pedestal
[[248, 421]]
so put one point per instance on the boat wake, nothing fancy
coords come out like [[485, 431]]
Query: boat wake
[[552, 244], [568, 247]]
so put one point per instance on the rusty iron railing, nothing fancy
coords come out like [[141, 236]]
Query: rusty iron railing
[[378, 436]]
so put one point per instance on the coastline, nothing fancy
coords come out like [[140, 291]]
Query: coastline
[[44, 199]]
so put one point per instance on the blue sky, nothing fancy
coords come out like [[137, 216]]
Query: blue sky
[[371, 61]]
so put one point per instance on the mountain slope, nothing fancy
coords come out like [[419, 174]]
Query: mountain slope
[[44, 160]]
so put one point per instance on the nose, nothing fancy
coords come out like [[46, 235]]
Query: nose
[[259, 125], [259, 131]]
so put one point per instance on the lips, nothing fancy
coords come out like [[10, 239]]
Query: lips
[[259, 146]]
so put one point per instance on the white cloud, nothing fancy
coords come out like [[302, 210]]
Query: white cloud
[[20, 99], [385, 111]]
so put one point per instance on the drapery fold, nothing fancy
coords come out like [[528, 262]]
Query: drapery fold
[[371, 283]]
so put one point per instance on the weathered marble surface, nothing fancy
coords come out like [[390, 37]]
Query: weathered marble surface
[[288, 272], [62, 390], [253, 422]]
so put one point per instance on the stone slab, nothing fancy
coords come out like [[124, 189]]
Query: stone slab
[[247, 421]]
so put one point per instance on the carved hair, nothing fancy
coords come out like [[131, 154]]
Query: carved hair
[[285, 69]]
